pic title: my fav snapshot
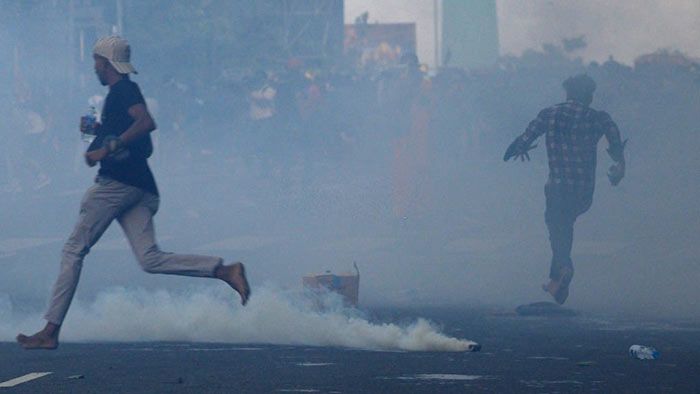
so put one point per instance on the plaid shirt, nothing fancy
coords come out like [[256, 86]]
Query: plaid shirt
[[572, 133]]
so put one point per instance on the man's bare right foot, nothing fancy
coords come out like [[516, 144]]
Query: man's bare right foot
[[46, 339], [234, 275]]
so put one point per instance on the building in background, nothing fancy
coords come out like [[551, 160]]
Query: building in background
[[379, 44], [469, 34], [313, 30], [55, 52]]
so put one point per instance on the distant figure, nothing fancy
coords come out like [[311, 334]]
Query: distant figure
[[30, 149], [261, 112], [261, 98], [405, 99], [125, 190], [572, 133]]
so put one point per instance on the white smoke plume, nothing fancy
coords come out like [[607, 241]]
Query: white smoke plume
[[271, 317]]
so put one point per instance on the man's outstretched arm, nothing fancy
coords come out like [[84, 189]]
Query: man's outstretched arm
[[523, 144]]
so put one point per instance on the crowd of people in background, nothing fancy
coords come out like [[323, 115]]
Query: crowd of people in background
[[401, 118]]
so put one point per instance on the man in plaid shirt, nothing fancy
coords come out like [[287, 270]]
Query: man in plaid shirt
[[572, 131]]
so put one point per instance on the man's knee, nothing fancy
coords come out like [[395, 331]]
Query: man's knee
[[151, 261], [74, 251]]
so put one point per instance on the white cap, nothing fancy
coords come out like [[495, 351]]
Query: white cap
[[117, 51]]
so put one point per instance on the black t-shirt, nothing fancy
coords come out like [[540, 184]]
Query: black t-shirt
[[133, 169]]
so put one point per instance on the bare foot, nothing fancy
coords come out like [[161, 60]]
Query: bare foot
[[552, 287], [559, 287], [561, 295], [234, 275], [45, 339]]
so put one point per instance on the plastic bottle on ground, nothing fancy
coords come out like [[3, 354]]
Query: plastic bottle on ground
[[643, 352]]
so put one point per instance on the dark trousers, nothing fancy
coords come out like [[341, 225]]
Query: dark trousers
[[563, 207]]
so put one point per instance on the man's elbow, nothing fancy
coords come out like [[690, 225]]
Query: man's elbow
[[150, 125]]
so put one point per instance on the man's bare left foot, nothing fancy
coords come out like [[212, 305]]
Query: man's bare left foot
[[561, 295], [234, 275], [559, 287], [552, 287], [46, 339]]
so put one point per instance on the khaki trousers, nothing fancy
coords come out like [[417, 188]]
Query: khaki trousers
[[133, 208]]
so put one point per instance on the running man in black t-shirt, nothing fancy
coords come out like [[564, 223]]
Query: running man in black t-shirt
[[124, 190]]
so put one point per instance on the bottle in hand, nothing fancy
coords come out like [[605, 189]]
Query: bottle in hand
[[89, 121]]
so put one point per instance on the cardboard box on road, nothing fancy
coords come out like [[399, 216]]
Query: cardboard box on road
[[346, 284]]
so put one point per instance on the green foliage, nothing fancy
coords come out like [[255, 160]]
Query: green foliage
[[574, 44], [362, 19]]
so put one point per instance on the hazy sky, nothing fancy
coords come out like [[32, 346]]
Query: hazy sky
[[623, 28]]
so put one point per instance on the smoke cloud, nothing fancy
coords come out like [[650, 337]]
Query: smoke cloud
[[271, 317]]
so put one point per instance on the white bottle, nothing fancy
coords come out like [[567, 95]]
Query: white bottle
[[90, 120], [643, 352]]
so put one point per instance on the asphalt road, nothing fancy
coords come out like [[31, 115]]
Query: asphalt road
[[581, 354]]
